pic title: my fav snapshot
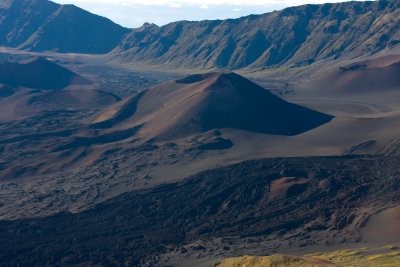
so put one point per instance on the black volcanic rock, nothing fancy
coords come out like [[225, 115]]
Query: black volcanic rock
[[39, 74], [199, 103], [42, 25], [293, 37], [234, 201]]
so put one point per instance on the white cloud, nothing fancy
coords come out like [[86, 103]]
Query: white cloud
[[133, 13], [175, 4], [180, 3]]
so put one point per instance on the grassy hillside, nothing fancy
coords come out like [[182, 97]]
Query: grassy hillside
[[388, 256]]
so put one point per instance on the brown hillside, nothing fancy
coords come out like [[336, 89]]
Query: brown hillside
[[363, 77], [295, 36], [200, 103], [39, 73]]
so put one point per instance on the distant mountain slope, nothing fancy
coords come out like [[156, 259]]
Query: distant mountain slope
[[199, 103], [294, 36], [39, 74], [42, 25]]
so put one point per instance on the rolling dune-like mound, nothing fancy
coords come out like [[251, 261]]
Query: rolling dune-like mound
[[383, 227], [19, 104], [199, 103], [6, 91], [364, 77], [39, 73], [74, 98], [287, 187]]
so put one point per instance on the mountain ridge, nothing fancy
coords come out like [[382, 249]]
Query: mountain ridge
[[42, 25], [291, 37]]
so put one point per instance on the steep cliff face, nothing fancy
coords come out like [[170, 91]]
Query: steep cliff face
[[42, 25], [294, 36]]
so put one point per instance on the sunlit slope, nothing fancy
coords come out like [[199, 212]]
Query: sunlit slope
[[388, 256]]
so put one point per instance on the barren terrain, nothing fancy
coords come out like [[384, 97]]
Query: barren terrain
[[121, 160]]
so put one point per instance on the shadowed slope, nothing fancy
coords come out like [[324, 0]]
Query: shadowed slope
[[294, 36], [6, 91], [42, 25], [39, 74], [200, 103], [39, 86]]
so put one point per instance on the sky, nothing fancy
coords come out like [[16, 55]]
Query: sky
[[133, 13]]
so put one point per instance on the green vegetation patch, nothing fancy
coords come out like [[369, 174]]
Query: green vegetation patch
[[388, 256]]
